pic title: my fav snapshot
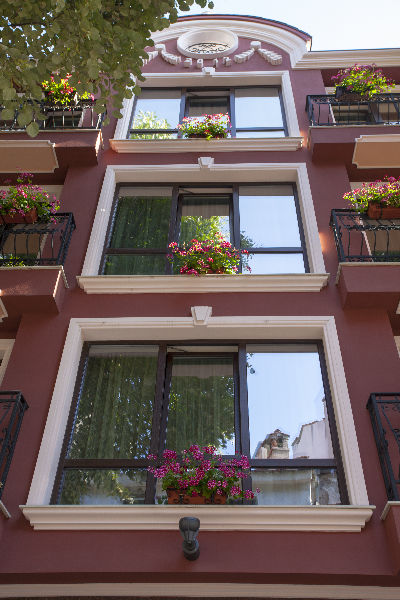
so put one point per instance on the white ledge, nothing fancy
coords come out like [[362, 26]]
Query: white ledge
[[213, 518], [201, 145], [175, 284]]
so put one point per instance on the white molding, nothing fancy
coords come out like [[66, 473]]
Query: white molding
[[205, 589], [381, 155], [34, 145], [184, 328], [3, 311], [386, 57], [387, 508], [6, 346], [286, 40], [215, 78], [397, 339], [212, 518], [4, 511], [232, 172], [178, 284], [197, 35], [234, 144]]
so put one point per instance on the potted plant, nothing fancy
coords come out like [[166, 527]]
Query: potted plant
[[207, 126], [212, 255], [62, 94], [26, 203], [360, 82], [201, 476], [379, 199]]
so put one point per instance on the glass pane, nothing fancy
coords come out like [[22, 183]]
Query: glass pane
[[203, 216], [135, 264], [113, 418], [260, 134], [207, 103], [201, 403], [157, 109], [269, 264], [296, 486], [268, 217], [101, 486], [141, 221], [287, 407], [258, 107]]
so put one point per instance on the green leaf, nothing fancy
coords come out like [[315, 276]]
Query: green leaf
[[33, 129]]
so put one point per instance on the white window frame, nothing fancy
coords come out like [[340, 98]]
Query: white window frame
[[204, 171], [6, 346], [200, 326]]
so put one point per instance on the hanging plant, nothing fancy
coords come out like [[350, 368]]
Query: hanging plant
[[61, 93]]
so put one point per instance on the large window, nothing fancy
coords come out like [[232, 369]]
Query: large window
[[253, 111], [269, 401], [262, 219]]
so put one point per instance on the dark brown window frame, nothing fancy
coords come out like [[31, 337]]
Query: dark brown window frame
[[175, 215], [230, 92], [158, 433]]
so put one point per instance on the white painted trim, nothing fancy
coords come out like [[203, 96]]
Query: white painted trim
[[216, 78], [332, 59], [392, 138], [212, 518], [205, 589], [177, 284], [6, 346], [387, 508], [184, 328], [6, 144], [288, 41], [4, 511], [397, 342], [283, 144], [235, 172], [3, 311], [197, 35]]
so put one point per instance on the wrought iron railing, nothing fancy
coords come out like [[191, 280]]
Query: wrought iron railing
[[361, 239], [12, 409], [37, 244], [384, 410], [79, 116], [329, 110]]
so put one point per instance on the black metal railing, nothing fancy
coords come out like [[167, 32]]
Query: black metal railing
[[79, 116], [329, 110], [37, 244], [361, 239], [12, 409], [384, 410]]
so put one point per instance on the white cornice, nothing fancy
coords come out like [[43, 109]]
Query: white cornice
[[207, 589], [332, 59], [288, 144], [213, 518], [387, 508], [288, 41], [181, 284]]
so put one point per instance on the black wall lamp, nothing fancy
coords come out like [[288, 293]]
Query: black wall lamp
[[189, 528]]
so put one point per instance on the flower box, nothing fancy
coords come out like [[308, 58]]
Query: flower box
[[176, 497], [344, 94], [17, 219], [376, 211]]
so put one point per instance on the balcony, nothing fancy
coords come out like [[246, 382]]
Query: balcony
[[67, 137], [31, 259], [343, 129], [12, 409], [369, 260]]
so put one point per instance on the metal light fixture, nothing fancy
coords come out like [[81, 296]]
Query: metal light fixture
[[189, 528]]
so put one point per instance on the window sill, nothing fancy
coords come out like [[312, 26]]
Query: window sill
[[174, 284], [213, 518], [201, 145]]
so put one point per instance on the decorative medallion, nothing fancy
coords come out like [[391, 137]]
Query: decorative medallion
[[208, 47]]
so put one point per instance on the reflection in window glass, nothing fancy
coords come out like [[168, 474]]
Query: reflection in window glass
[[260, 134], [287, 407], [203, 216], [102, 486], [156, 109], [207, 103], [258, 107], [273, 264], [295, 486], [201, 403], [134, 264]]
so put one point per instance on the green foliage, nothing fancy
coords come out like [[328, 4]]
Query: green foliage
[[384, 193], [100, 42], [22, 198], [206, 126], [366, 80]]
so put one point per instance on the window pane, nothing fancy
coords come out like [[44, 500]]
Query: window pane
[[141, 221], [201, 403], [259, 134], [296, 486], [207, 103], [114, 415], [101, 486], [269, 264], [258, 107], [203, 216], [268, 217], [157, 109], [135, 264], [287, 407]]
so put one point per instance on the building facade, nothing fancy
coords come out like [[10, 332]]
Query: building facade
[[115, 354]]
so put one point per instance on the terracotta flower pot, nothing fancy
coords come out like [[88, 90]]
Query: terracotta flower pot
[[17, 219], [177, 497], [376, 211]]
